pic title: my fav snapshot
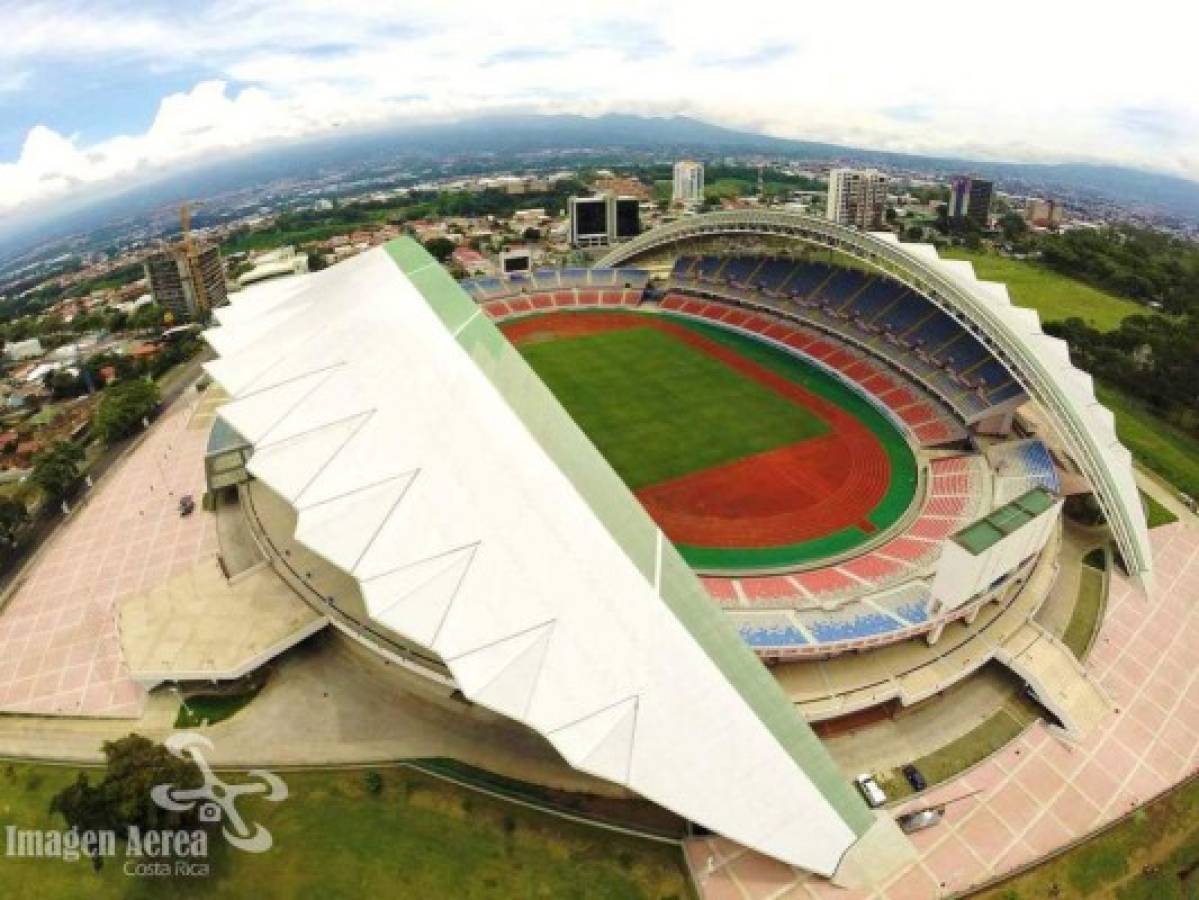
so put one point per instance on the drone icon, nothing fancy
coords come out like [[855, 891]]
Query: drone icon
[[217, 798]]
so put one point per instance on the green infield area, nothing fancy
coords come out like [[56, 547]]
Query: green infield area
[[658, 409], [684, 419]]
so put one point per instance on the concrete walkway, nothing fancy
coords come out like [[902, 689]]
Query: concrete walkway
[[1040, 792]]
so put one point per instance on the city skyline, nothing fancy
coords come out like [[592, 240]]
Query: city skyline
[[97, 95]]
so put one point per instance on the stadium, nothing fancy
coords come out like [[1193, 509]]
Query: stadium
[[751, 474]]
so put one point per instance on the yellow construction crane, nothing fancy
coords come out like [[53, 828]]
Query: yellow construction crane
[[188, 249]]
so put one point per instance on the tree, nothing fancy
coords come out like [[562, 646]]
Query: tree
[[316, 262], [440, 248], [63, 384], [13, 517], [532, 234], [149, 316], [1014, 227], [123, 408], [121, 799], [56, 470]]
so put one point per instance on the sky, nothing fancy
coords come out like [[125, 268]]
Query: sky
[[97, 94]]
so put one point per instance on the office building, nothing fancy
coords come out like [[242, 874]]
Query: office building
[[1043, 213], [688, 183], [970, 198], [857, 197], [604, 219]]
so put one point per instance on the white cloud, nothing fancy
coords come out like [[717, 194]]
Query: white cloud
[[1039, 82]]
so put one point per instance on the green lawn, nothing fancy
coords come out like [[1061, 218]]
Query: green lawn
[[1151, 855], [1155, 513], [658, 408], [211, 708], [1087, 607], [1160, 446], [971, 748], [417, 837], [1055, 297]]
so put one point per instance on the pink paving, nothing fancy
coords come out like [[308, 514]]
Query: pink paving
[[1038, 792], [59, 649]]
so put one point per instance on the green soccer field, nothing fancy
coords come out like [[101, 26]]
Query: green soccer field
[[658, 409]]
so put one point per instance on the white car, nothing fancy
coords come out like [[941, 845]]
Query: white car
[[875, 797]]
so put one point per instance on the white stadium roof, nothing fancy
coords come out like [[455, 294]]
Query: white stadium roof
[[426, 460]]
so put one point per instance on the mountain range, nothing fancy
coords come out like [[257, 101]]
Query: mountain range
[[1139, 192]]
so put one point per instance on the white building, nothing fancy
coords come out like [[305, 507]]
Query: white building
[[857, 197], [688, 183], [274, 264], [17, 351]]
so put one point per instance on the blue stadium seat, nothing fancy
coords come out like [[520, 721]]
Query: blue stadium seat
[[773, 273], [964, 353], [849, 623], [737, 271], [874, 298], [572, 278], [808, 277], [935, 332], [772, 636], [905, 314], [843, 285]]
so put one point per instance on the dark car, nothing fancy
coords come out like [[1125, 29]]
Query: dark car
[[186, 505], [918, 821], [915, 779]]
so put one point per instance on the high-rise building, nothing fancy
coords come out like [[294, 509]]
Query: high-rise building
[[857, 197], [187, 285], [1043, 213], [970, 198], [605, 219], [688, 183], [624, 218], [588, 221]]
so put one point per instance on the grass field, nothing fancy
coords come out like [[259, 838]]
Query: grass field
[[333, 837], [658, 409], [971, 748], [1155, 513], [1055, 297], [1160, 446], [1087, 607], [211, 708], [1151, 855]]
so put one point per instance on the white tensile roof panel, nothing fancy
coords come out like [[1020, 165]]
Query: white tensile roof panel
[[411, 470]]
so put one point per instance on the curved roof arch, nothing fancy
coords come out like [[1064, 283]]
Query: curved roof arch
[[1038, 361]]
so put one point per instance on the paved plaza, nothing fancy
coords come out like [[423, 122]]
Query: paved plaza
[[1039, 792], [59, 649]]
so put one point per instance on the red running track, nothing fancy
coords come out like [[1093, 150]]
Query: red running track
[[784, 496]]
